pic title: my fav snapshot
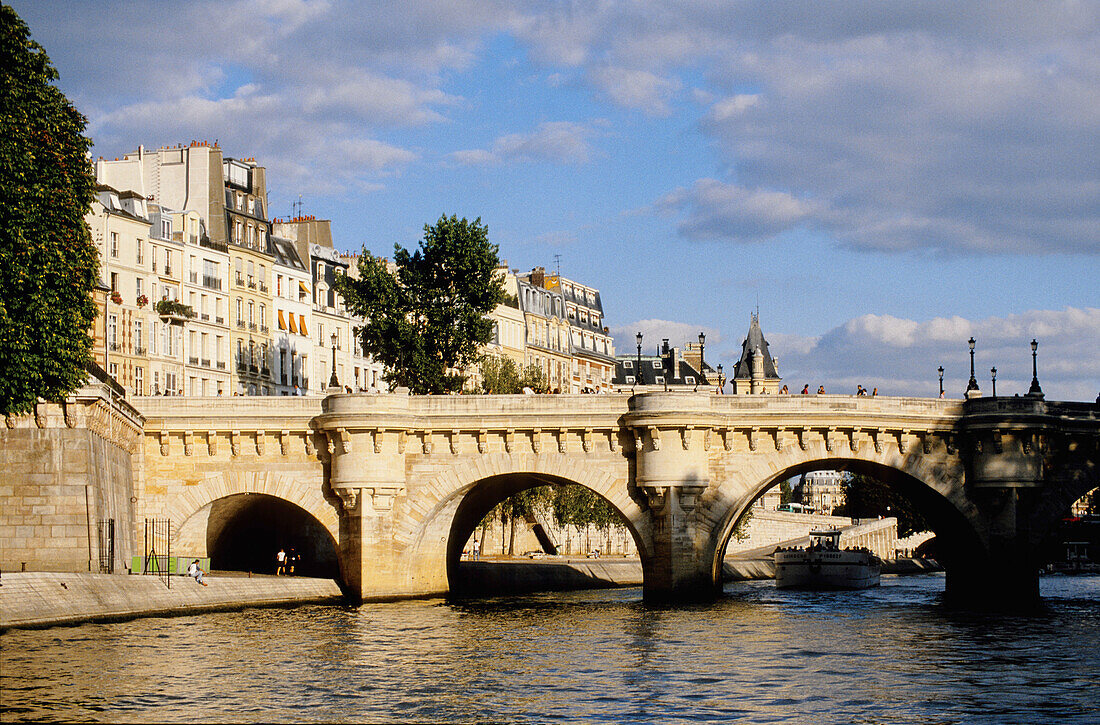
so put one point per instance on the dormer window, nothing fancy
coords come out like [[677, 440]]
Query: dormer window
[[656, 364], [628, 364]]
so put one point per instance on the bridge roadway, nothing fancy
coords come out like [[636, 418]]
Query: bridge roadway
[[400, 482]]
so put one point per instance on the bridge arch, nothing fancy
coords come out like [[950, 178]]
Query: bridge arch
[[438, 520], [235, 517], [926, 483]]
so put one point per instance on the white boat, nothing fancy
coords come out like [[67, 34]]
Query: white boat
[[824, 565]]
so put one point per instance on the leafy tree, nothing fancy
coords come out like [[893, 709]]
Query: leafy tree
[[427, 320], [535, 378], [48, 263], [500, 376]]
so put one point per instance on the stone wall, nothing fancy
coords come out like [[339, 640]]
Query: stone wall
[[67, 472], [773, 527]]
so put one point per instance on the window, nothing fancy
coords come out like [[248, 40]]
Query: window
[[251, 312], [140, 252], [689, 379], [153, 339], [263, 315], [320, 334], [114, 244], [278, 285], [240, 310], [656, 364], [628, 364], [138, 339], [629, 379], [139, 381], [660, 379], [166, 228], [114, 281], [168, 262], [139, 285], [112, 330]]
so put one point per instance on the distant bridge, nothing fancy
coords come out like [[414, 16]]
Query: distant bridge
[[395, 484]]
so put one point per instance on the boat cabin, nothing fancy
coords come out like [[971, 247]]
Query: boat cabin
[[828, 540]]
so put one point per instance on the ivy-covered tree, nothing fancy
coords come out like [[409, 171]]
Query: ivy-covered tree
[[48, 263], [427, 319]]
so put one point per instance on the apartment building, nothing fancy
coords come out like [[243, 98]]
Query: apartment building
[[546, 326], [292, 297], [593, 363]]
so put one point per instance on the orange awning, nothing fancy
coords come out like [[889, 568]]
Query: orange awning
[[305, 290], [302, 325], [282, 322], [293, 327]]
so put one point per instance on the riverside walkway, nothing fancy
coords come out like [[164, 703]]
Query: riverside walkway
[[40, 599]]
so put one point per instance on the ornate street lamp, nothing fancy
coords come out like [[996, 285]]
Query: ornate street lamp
[[1035, 390], [638, 372], [721, 380], [972, 387], [702, 339], [332, 381], [993, 372], [941, 380]]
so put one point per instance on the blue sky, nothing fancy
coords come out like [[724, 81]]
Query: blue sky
[[883, 180]]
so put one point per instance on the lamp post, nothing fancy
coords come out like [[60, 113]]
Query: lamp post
[[993, 372], [941, 380], [702, 339], [1035, 390], [332, 381], [972, 387], [721, 380], [638, 372]]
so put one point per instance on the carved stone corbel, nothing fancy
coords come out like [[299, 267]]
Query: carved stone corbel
[[751, 433], [830, 444], [802, 434], [235, 442], [950, 443], [164, 443], [510, 440], [853, 445], [284, 442], [613, 440], [727, 439], [454, 441], [349, 497], [483, 441], [998, 443], [261, 442], [656, 497], [926, 442], [562, 436], [188, 442], [311, 448], [402, 440], [382, 497], [655, 437], [688, 497], [426, 442], [903, 435], [536, 440], [639, 441], [69, 409], [706, 439], [586, 440], [1027, 441], [212, 442], [876, 438], [978, 445], [379, 435], [685, 436]]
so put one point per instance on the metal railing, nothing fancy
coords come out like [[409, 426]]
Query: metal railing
[[158, 549], [107, 546]]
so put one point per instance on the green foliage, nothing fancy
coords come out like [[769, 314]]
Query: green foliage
[[580, 507], [172, 308], [426, 322], [48, 263], [535, 378], [866, 497], [741, 530], [500, 376], [786, 495]]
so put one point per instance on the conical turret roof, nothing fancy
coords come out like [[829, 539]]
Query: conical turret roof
[[754, 340]]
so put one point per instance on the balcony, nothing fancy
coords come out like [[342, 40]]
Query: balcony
[[220, 365], [219, 320], [252, 326], [251, 285], [205, 363], [263, 328], [174, 311], [115, 347], [140, 351], [205, 241], [204, 317], [265, 372], [167, 271], [240, 324], [263, 286], [192, 361], [211, 282], [242, 367], [240, 281]]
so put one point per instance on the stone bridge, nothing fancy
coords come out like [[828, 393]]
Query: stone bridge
[[396, 484]]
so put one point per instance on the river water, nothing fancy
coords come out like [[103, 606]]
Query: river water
[[893, 654]]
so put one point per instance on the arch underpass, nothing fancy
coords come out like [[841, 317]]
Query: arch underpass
[[245, 531]]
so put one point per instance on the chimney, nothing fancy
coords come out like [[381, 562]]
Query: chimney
[[538, 276]]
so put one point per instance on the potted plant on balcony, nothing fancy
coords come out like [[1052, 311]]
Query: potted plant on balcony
[[142, 300], [116, 297], [174, 309]]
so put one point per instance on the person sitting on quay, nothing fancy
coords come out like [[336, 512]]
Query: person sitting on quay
[[195, 572]]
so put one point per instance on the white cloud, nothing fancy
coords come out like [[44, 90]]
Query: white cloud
[[713, 209], [634, 88], [555, 141], [901, 356]]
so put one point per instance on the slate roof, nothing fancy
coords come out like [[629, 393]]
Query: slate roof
[[755, 339]]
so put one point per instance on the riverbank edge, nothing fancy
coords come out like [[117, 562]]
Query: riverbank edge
[[35, 600]]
